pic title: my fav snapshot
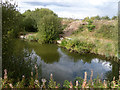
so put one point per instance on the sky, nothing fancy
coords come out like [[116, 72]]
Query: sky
[[77, 9]]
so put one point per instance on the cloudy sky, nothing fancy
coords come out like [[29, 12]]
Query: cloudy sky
[[73, 8]]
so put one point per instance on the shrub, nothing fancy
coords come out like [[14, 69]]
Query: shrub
[[49, 28], [81, 47], [29, 24], [90, 26], [105, 18], [114, 18]]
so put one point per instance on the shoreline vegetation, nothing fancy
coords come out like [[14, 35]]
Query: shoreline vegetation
[[78, 83], [92, 35]]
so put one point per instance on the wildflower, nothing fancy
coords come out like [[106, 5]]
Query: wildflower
[[56, 87], [51, 75], [76, 83], [35, 66], [44, 81], [23, 76], [11, 85], [105, 85], [85, 79], [31, 73], [91, 75], [71, 85], [36, 81], [5, 75]]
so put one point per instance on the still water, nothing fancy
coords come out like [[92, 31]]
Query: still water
[[65, 65]]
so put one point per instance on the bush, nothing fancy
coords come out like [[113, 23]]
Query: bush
[[114, 18], [11, 20], [76, 45], [30, 24], [90, 26], [105, 18], [49, 28]]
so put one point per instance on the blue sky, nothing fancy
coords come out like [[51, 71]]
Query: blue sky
[[72, 8]]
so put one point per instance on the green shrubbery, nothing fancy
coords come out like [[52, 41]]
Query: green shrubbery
[[76, 45], [29, 24], [90, 26], [101, 18], [49, 28]]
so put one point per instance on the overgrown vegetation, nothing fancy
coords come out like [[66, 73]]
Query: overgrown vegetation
[[49, 28], [103, 35], [43, 84], [76, 45]]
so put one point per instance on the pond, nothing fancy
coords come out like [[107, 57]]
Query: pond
[[65, 65]]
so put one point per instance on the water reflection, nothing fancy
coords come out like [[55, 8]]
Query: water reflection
[[47, 52], [71, 65], [53, 59]]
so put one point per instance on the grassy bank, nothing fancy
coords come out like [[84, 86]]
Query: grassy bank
[[102, 39], [33, 82]]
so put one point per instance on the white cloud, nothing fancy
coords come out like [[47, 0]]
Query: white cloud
[[73, 8]]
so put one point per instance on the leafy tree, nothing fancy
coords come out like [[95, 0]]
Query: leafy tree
[[11, 20], [114, 18], [86, 18], [96, 18], [11, 26], [34, 17], [105, 18], [30, 24], [49, 28]]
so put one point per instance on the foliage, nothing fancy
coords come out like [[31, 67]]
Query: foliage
[[76, 45], [11, 20], [85, 19], [52, 83], [66, 84], [11, 27], [29, 24], [96, 17], [46, 22], [105, 18], [90, 26], [79, 83], [114, 18], [49, 28], [38, 14]]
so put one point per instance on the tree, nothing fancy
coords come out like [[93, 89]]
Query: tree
[[105, 18], [29, 24], [11, 20], [97, 17], [114, 18], [49, 27], [34, 17]]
